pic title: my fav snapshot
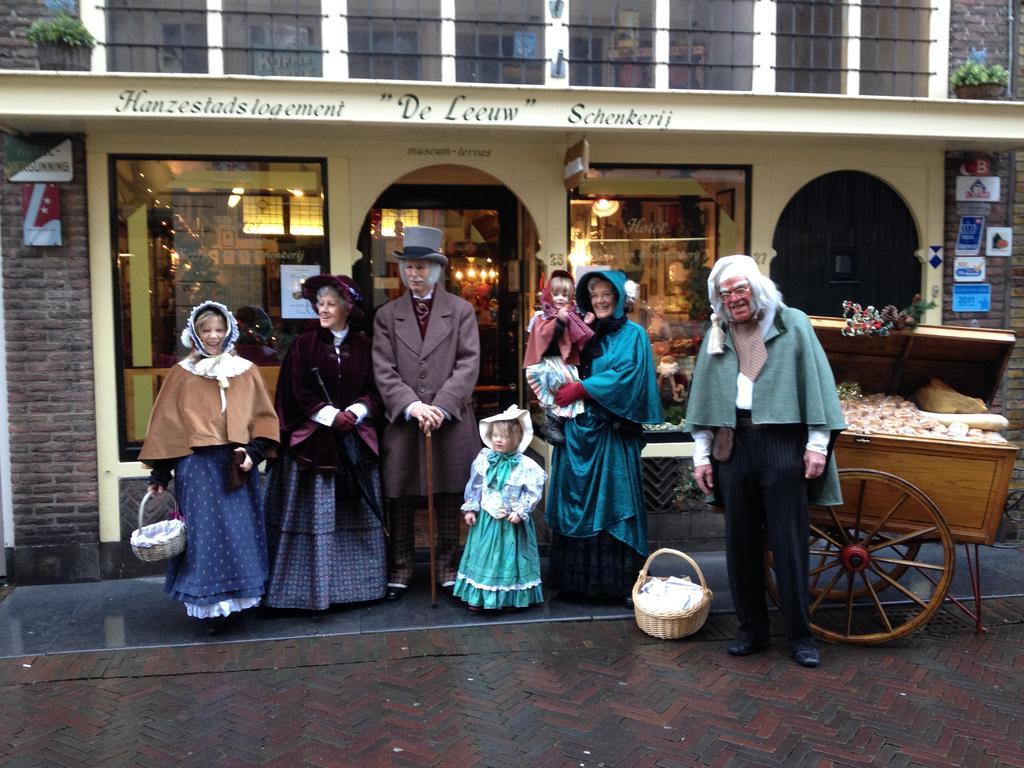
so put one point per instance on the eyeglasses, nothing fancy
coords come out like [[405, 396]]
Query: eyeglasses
[[739, 290]]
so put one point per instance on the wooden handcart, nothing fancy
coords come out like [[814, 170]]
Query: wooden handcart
[[881, 563]]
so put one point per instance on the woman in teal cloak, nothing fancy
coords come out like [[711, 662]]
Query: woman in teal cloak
[[595, 505]]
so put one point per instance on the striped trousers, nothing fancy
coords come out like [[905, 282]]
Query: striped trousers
[[765, 496]]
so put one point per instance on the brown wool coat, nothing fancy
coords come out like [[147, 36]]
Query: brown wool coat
[[440, 369], [187, 414]]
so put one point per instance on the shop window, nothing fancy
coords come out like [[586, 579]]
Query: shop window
[[242, 232], [156, 36], [499, 42], [394, 39], [664, 227], [611, 44], [894, 47], [711, 44], [273, 38]]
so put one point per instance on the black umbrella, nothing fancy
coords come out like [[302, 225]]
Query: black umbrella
[[349, 453]]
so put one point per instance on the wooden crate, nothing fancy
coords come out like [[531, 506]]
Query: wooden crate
[[967, 481]]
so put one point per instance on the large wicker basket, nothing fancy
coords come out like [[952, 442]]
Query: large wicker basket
[[671, 625], [164, 539]]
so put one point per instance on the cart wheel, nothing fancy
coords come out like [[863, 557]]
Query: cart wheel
[[870, 543]]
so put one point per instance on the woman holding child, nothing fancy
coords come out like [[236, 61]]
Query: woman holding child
[[595, 507]]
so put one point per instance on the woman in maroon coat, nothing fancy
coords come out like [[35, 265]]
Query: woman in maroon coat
[[322, 503]]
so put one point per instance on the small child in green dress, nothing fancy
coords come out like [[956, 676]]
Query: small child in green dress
[[500, 567]]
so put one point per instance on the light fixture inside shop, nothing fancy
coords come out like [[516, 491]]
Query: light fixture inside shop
[[605, 207], [262, 215], [390, 217], [306, 216], [235, 196]]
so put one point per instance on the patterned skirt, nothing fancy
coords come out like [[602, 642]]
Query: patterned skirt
[[224, 566], [500, 565], [326, 544]]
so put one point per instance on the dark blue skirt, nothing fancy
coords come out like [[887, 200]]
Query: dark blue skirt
[[226, 556]]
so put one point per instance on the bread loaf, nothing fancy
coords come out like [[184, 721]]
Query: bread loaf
[[939, 397]]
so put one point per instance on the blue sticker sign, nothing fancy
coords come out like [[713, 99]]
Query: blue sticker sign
[[968, 238], [972, 298]]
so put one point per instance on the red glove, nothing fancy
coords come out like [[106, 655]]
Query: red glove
[[570, 393], [344, 421]]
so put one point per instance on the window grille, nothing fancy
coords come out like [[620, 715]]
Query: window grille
[[711, 44], [264, 37], [394, 39], [809, 46], [611, 43], [894, 47], [499, 42], [156, 36]]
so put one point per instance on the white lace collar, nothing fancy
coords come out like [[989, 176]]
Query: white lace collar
[[220, 367]]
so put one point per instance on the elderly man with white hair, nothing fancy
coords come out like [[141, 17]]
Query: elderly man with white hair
[[763, 411]]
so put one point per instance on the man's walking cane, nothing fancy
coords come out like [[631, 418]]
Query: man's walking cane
[[431, 525]]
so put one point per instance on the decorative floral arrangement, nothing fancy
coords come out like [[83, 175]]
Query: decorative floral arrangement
[[63, 27], [977, 71], [863, 321]]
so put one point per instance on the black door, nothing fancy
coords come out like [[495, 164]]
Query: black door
[[846, 235], [480, 239]]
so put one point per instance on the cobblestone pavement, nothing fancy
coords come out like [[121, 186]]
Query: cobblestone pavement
[[581, 694]]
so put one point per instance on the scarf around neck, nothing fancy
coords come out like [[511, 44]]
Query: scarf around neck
[[499, 468], [750, 349]]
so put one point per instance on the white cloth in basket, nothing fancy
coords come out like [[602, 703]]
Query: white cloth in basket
[[671, 595], [156, 534]]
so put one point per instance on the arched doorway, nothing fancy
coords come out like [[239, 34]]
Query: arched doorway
[[486, 229], [846, 235]]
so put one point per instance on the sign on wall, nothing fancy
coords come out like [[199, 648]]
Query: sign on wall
[[969, 269], [968, 238], [978, 189], [40, 209], [972, 298], [998, 241], [38, 158], [293, 305]]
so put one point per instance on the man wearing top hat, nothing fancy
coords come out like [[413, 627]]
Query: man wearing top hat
[[426, 357]]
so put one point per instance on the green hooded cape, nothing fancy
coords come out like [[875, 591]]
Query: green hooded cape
[[795, 386], [596, 477]]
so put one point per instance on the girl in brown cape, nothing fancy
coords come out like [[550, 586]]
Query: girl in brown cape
[[213, 410]]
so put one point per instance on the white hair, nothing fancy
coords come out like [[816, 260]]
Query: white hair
[[433, 274], [765, 296]]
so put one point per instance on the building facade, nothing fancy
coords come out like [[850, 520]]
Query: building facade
[[229, 148]]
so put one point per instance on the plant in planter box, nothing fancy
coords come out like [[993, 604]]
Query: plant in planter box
[[63, 41], [977, 79]]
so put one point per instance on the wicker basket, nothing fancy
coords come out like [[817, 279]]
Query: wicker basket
[[671, 625], [167, 537]]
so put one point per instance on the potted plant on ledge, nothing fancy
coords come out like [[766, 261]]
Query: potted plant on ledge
[[62, 40], [976, 79]]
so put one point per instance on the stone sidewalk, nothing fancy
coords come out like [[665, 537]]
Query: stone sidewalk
[[582, 694]]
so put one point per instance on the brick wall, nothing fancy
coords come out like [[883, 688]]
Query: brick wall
[[1015, 376], [15, 18], [50, 391]]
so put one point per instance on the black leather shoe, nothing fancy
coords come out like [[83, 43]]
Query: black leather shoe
[[394, 593], [807, 657], [746, 647]]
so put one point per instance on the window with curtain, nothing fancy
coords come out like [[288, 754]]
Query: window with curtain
[[156, 36], [611, 43], [394, 39], [239, 231], [499, 42], [271, 37]]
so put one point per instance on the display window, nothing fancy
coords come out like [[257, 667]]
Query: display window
[[242, 232], [664, 227]]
